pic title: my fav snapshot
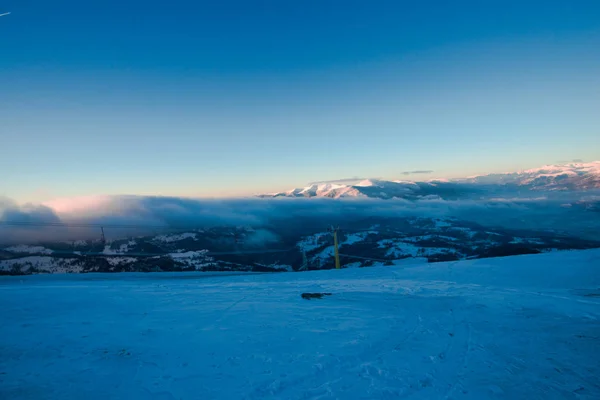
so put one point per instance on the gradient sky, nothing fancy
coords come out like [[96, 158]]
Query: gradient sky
[[220, 98]]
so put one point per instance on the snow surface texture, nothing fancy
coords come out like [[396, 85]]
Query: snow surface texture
[[523, 327]]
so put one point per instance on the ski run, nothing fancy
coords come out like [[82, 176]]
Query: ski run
[[524, 327]]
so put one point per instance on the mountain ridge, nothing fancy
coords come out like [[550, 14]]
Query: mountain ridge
[[558, 177], [363, 243]]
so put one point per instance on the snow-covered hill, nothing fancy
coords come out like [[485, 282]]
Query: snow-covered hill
[[573, 176], [377, 188], [522, 327], [372, 242]]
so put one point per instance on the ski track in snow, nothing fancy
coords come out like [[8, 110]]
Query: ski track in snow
[[525, 327]]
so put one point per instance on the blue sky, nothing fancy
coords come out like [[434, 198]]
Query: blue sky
[[236, 97]]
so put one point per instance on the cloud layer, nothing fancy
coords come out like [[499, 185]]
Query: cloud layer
[[425, 171], [139, 215]]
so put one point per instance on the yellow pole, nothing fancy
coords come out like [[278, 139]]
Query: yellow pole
[[335, 249]]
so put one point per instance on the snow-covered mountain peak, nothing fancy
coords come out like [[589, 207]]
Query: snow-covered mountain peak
[[569, 168], [369, 182], [570, 176]]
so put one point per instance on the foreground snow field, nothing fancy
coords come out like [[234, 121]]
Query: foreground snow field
[[525, 327]]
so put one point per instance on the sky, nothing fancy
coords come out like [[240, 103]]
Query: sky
[[232, 98]]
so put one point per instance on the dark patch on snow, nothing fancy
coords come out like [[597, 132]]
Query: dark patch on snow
[[309, 296]]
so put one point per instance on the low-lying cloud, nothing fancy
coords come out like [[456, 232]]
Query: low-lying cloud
[[424, 171], [124, 216], [574, 160]]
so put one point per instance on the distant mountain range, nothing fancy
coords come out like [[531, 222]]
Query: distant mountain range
[[293, 238], [562, 177], [573, 176]]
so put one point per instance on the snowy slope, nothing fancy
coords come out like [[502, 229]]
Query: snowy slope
[[374, 188], [521, 327], [25, 249], [42, 264]]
